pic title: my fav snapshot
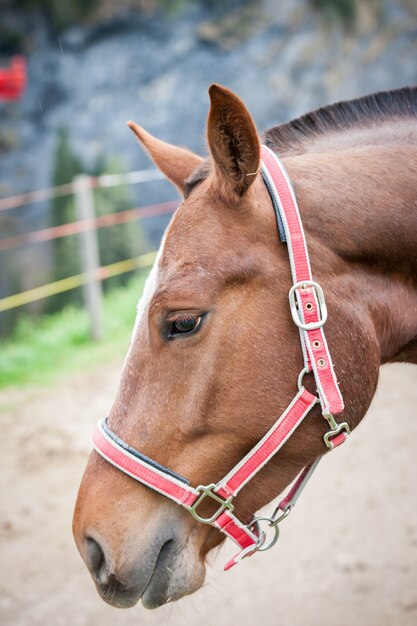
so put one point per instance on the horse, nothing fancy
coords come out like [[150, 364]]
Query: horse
[[215, 354]]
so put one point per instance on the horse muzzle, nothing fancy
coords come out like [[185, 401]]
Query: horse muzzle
[[154, 578], [136, 547]]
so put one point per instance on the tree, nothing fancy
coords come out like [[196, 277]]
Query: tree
[[116, 243], [66, 257]]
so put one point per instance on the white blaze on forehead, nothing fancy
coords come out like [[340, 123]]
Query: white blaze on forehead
[[148, 292], [149, 288]]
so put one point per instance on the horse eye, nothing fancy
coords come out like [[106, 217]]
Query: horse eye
[[185, 325]]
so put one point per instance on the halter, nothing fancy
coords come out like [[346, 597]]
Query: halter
[[309, 312]]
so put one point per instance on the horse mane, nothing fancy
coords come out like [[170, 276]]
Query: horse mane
[[293, 137], [341, 116]]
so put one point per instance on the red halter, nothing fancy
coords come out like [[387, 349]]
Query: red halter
[[309, 312]]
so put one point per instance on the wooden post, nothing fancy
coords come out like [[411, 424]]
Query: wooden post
[[90, 258]]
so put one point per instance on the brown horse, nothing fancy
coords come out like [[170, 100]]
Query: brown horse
[[214, 355]]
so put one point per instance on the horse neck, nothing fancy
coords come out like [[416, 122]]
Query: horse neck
[[359, 204]]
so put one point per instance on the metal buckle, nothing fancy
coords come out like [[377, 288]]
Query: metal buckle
[[322, 309], [207, 490], [335, 429]]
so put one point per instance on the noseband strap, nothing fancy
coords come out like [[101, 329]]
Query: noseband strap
[[309, 313]]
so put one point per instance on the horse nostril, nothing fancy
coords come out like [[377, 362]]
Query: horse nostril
[[96, 561]]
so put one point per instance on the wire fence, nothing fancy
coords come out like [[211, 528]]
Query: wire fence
[[73, 228], [106, 180], [71, 282], [86, 226]]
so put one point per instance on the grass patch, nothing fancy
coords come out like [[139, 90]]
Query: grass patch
[[42, 349]]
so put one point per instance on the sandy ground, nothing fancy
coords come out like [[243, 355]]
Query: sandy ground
[[347, 556]]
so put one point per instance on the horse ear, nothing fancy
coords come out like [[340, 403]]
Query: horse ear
[[176, 163], [233, 140]]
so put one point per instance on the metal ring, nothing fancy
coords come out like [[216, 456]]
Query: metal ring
[[265, 545], [300, 378]]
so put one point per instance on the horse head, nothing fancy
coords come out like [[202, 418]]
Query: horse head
[[214, 358]]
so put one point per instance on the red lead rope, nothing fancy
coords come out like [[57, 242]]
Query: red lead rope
[[309, 313]]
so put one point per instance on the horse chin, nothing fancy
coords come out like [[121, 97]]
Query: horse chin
[[176, 588], [173, 579]]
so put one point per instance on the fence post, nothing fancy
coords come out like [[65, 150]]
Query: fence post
[[90, 259]]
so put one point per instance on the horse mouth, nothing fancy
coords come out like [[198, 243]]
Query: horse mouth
[[116, 595], [157, 591], [168, 581]]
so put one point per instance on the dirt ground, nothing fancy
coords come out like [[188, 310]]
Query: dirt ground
[[347, 556]]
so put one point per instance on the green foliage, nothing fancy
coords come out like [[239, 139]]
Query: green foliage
[[11, 40], [344, 11], [115, 243], [42, 349], [172, 8], [63, 13], [65, 250], [124, 240], [60, 13]]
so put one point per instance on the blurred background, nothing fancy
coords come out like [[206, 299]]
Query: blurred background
[[82, 211]]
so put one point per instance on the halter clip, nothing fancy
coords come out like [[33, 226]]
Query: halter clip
[[335, 429]]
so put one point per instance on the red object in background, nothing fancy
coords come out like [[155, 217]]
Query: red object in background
[[13, 79]]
